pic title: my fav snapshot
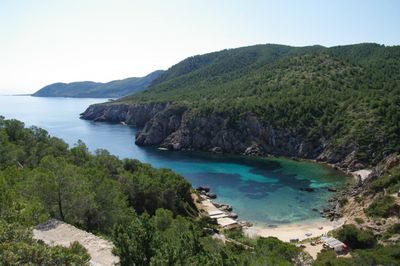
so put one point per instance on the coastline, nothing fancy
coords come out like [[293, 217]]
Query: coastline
[[297, 230], [314, 228], [291, 232], [286, 232]]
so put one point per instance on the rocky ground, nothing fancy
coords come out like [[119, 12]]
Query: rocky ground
[[54, 232]]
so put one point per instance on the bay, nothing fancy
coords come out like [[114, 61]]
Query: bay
[[261, 190]]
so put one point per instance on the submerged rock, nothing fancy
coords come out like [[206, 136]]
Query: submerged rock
[[203, 188], [308, 189], [211, 196], [332, 189]]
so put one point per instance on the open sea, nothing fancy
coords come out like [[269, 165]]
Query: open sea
[[261, 190]]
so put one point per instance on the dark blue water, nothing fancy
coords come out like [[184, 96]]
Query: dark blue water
[[262, 190]]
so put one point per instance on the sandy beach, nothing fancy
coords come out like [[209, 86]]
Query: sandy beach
[[294, 231]]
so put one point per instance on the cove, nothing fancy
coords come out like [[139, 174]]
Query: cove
[[261, 190]]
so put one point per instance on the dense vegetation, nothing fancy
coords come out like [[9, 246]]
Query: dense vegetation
[[148, 213], [383, 206], [89, 89], [389, 182], [18, 248], [348, 95], [365, 249], [163, 240]]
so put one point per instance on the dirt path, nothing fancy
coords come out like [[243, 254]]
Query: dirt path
[[54, 232]]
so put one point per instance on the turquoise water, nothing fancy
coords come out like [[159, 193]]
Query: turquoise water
[[261, 190]]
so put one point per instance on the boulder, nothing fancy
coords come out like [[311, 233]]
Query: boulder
[[212, 196], [216, 150], [308, 189], [332, 189], [233, 215], [203, 188], [254, 150]]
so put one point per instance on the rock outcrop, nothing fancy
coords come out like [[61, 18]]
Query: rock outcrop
[[177, 128], [131, 114]]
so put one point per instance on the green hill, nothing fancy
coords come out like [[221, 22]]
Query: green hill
[[90, 89], [339, 104]]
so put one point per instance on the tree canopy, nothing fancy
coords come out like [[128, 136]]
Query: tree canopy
[[347, 95]]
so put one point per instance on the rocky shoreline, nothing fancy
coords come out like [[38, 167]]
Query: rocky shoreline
[[226, 210], [175, 127], [332, 212]]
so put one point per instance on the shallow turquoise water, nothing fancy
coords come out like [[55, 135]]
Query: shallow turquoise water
[[262, 190]]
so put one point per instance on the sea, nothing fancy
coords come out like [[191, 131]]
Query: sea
[[262, 190]]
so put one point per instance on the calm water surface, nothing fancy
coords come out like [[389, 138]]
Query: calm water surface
[[261, 190]]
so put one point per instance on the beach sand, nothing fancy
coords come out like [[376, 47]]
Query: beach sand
[[294, 231]]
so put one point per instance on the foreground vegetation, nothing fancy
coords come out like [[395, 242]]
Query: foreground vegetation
[[365, 249], [347, 96], [148, 213]]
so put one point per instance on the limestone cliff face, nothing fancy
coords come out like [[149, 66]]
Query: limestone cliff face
[[131, 114], [177, 128]]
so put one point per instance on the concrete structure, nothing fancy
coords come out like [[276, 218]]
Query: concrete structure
[[336, 245], [222, 217], [227, 222], [54, 232]]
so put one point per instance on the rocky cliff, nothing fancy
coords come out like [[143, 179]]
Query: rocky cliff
[[177, 128]]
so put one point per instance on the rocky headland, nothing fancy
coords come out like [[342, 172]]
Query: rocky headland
[[177, 128]]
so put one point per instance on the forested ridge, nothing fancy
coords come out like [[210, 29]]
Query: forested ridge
[[343, 99]]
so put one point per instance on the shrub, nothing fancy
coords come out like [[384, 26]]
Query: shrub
[[387, 255], [356, 238], [392, 230], [359, 199], [359, 220], [383, 207], [328, 258], [390, 181]]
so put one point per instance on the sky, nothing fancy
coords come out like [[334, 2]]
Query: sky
[[47, 41]]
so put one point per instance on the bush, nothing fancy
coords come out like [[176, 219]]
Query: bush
[[359, 199], [390, 181], [388, 255], [393, 230], [359, 220], [18, 248], [356, 238], [328, 258], [383, 207]]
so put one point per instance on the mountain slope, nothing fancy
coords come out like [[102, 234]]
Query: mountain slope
[[340, 105], [89, 89]]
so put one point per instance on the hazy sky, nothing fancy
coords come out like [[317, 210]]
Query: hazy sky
[[46, 41]]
